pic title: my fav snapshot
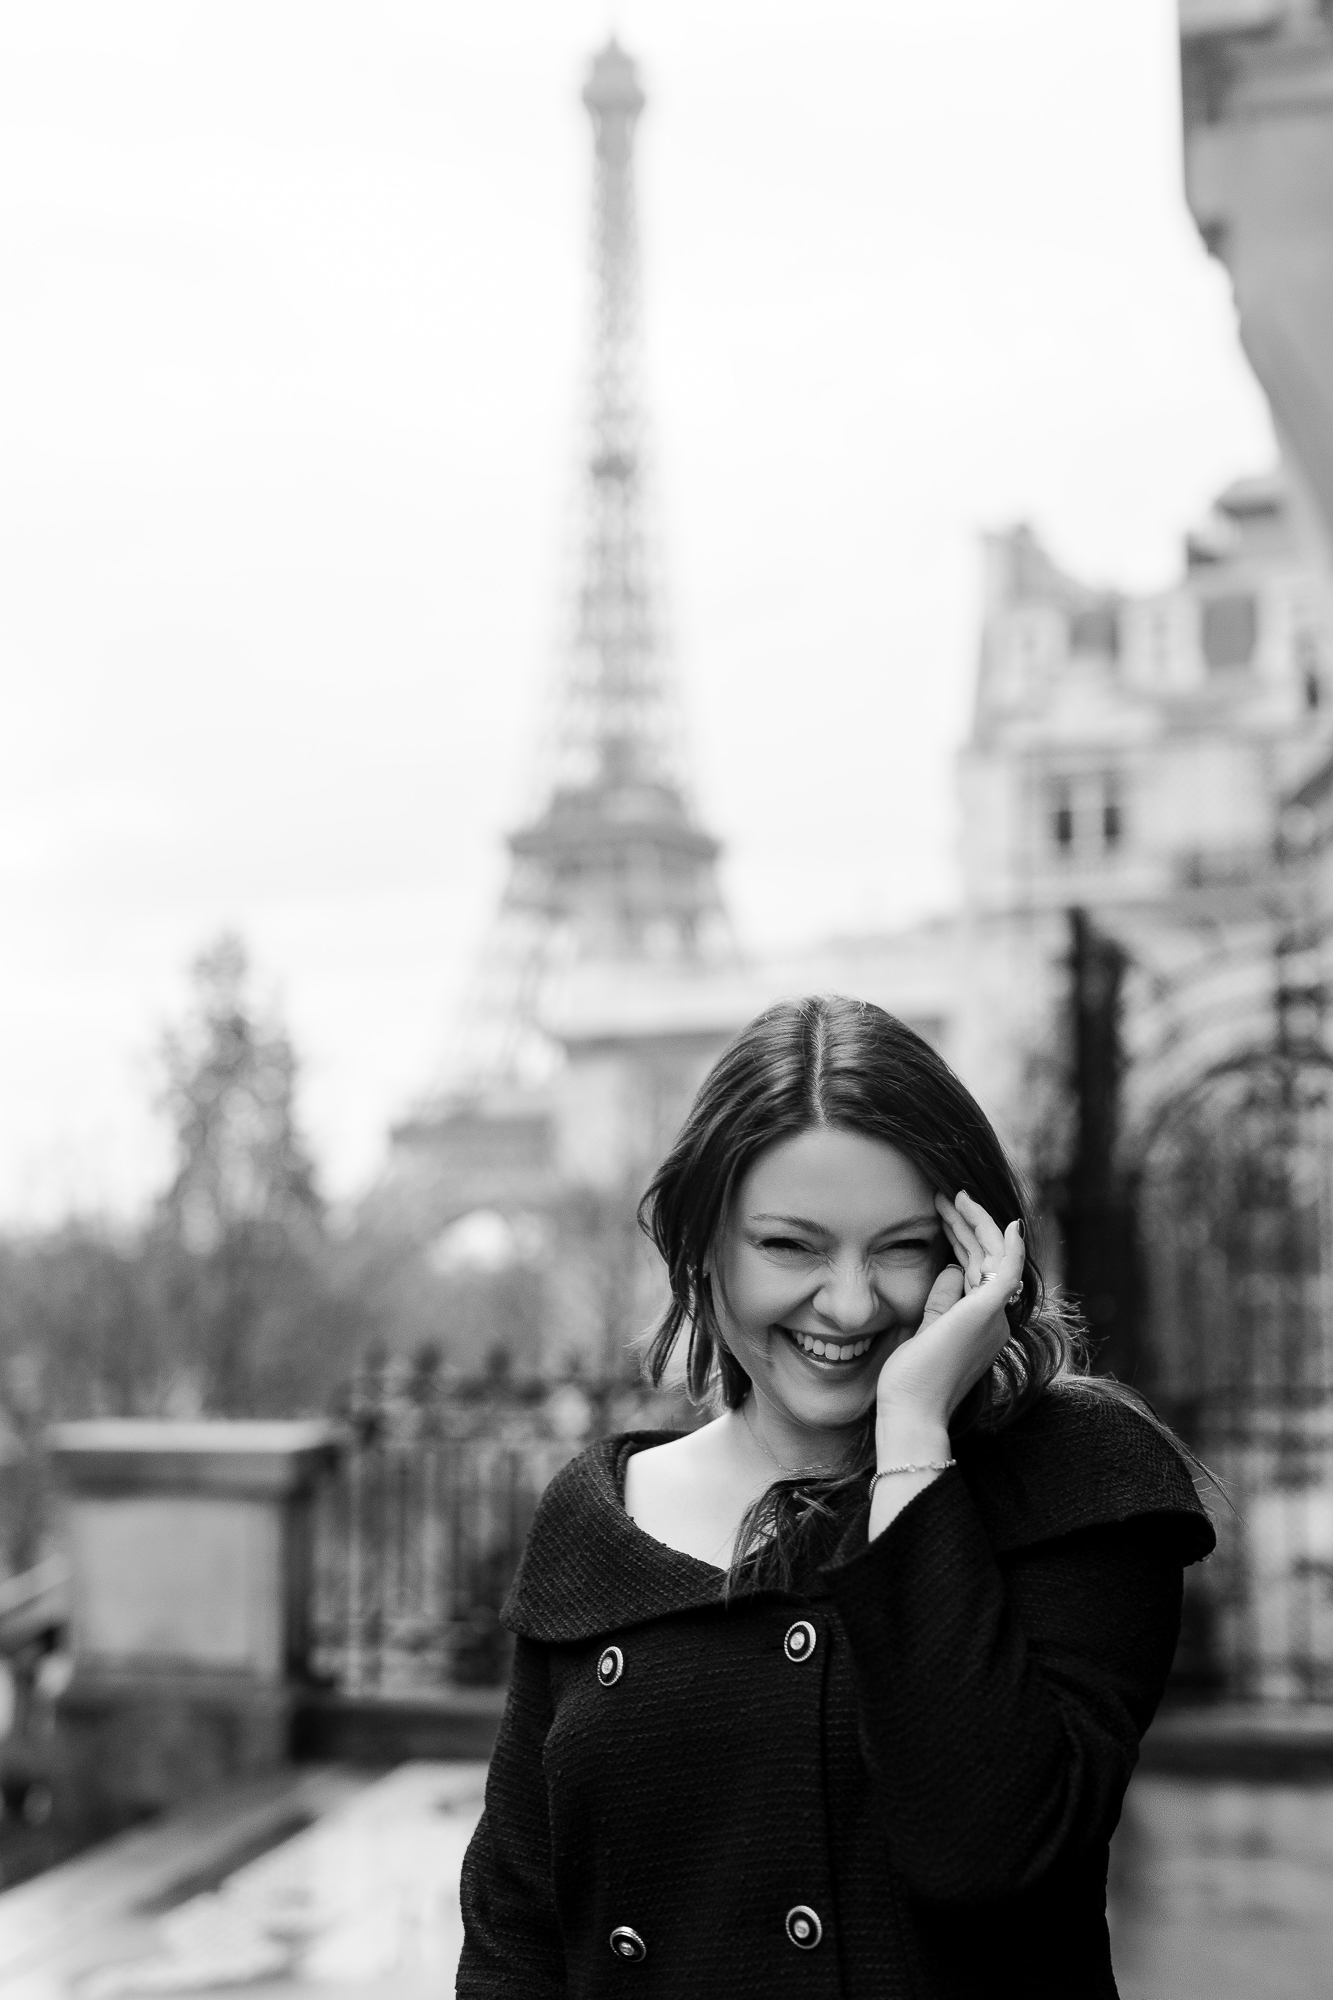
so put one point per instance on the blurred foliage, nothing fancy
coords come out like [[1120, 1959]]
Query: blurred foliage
[[229, 1090], [234, 1254], [233, 1297]]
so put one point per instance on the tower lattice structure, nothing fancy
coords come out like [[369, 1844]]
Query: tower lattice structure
[[615, 866]]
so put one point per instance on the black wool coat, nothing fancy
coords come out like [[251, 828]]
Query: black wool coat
[[896, 1784]]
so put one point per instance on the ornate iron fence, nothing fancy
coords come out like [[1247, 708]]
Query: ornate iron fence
[[419, 1531]]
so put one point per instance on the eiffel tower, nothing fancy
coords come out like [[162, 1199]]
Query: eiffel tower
[[615, 869]]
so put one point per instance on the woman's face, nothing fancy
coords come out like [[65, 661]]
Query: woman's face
[[825, 1265]]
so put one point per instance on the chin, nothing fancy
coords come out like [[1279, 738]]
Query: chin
[[825, 1406]]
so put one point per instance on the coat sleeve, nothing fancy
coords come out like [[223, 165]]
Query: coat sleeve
[[512, 1945], [1002, 1698]]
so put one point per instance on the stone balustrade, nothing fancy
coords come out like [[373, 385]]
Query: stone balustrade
[[189, 1548]]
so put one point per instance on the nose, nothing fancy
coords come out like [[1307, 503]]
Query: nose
[[846, 1299]]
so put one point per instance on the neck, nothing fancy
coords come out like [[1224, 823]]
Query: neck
[[795, 1447]]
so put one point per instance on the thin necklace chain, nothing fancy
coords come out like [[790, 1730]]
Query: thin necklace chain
[[787, 1471]]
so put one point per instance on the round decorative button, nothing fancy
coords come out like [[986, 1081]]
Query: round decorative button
[[627, 1944], [803, 1927], [800, 1641], [609, 1669]]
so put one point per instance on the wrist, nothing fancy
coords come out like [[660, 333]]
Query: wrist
[[910, 1437]]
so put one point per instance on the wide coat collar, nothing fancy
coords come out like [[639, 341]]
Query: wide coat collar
[[587, 1568], [1078, 1459]]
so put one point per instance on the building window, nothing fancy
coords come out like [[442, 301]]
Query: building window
[[1062, 818], [1230, 631], [1085, 816], [1096, 630], [1161, 645], [1308, 664]]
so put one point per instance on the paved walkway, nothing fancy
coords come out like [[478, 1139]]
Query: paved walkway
[[361, 1903], [325, 1882], [1223, 1891]]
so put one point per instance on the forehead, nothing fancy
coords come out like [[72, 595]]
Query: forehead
[[841, 1180]]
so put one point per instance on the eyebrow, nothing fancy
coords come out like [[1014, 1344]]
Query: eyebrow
[[818, 1228]]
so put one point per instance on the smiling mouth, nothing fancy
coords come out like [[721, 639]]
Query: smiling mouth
[[838, 1352]]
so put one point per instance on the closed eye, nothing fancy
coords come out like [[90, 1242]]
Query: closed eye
[[912, 1246], [786, 1244]]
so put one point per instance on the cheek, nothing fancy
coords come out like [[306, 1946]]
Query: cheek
[[758, 1292], [907, 1291]]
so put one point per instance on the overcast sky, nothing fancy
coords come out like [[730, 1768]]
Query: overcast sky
[[290, 351]]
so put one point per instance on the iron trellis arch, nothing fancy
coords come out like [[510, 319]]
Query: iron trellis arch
[[1234, 1178]]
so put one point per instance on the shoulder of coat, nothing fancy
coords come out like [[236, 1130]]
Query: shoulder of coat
[[1084, 1411], [1082, 1456]]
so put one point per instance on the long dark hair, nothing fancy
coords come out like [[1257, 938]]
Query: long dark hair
[[848, 1065]]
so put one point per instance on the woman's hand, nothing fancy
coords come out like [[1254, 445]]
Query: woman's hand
[[962, 1329]]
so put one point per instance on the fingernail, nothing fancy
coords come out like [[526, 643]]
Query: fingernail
[[1022, 1232]]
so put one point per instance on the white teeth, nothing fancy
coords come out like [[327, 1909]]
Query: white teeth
[[832, 1350]]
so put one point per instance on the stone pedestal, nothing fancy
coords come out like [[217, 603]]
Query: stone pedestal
[[190, 1547]]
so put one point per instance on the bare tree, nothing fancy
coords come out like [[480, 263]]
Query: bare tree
[[238, 1241]]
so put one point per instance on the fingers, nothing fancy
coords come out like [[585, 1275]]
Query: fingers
[[963, 1240], [1007, 1277], [988, 1235], [982, 1248], [945, 1292]]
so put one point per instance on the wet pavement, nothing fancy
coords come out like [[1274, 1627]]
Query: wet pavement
[[1223, 1891], [328, 1882], [361, 1903]]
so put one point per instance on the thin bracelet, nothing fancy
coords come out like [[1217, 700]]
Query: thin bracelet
[[938, 1465]]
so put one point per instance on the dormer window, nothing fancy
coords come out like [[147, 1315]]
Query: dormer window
[[1027, 645]]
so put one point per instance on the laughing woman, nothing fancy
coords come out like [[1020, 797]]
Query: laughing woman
[[839, 1694]]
